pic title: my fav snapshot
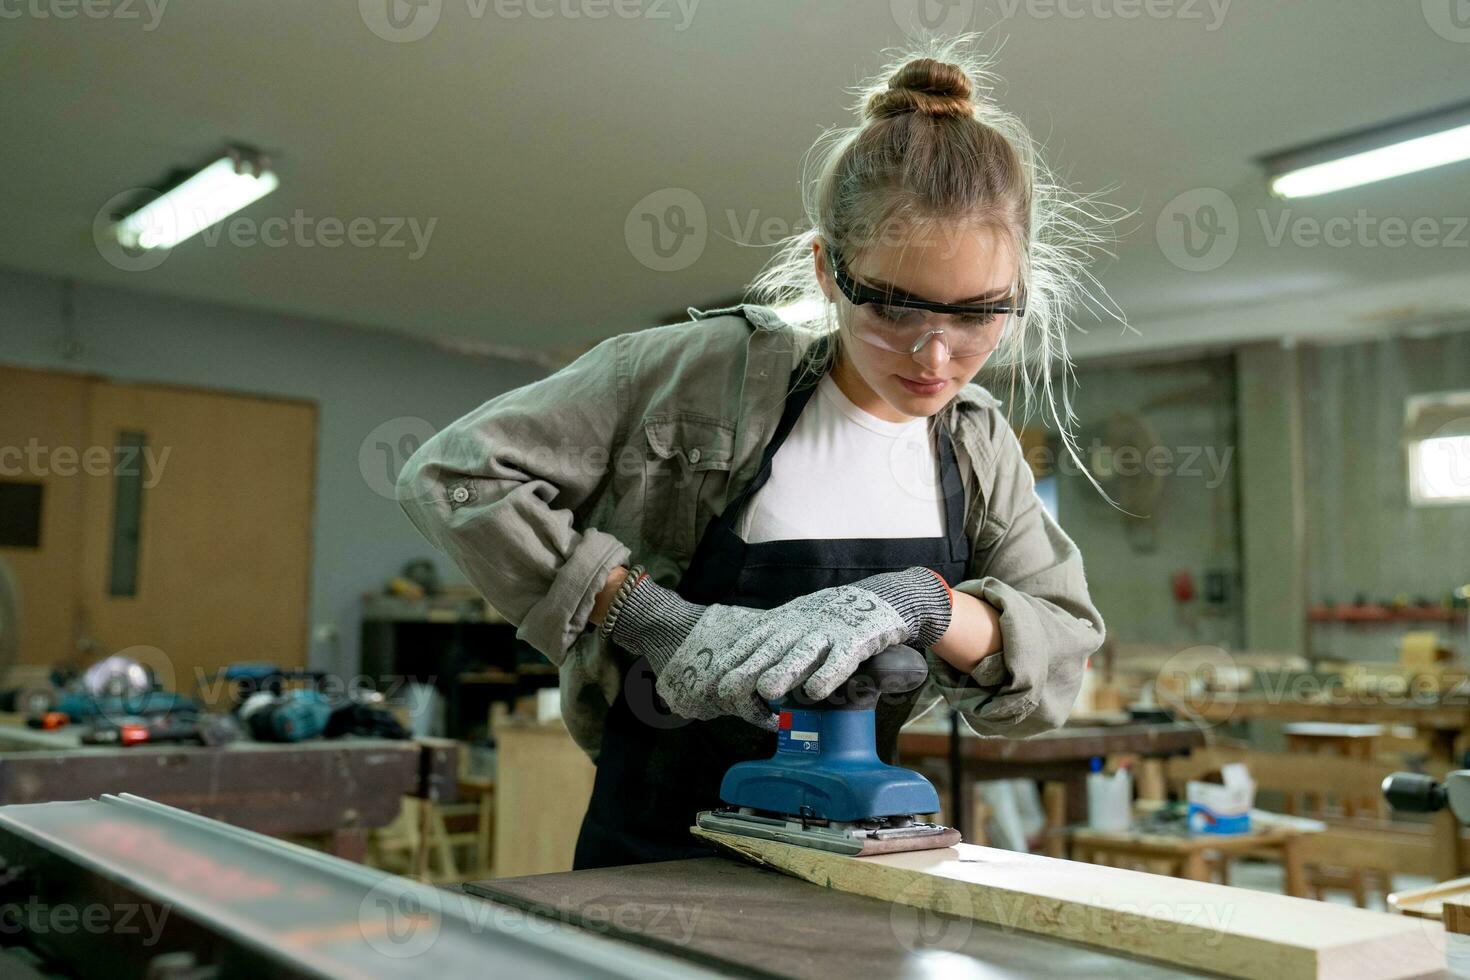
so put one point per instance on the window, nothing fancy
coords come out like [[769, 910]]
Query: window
[[20, 514], [1437, 436]]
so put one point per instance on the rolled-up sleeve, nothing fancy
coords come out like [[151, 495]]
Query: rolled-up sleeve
[[1031, 572], [498, 491]]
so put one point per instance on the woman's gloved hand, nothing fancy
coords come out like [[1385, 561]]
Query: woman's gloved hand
[[731, 660], [660, 624], [818, 640]]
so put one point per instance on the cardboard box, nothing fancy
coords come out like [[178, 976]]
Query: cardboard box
[[1222, 808]]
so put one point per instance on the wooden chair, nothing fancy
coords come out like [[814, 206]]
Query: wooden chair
[[1363, 842]]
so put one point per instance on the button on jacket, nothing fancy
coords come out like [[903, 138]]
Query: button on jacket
[[627, 453]]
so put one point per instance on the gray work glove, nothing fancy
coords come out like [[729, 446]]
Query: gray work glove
[[730, 660], [657, 623], [818, 640]]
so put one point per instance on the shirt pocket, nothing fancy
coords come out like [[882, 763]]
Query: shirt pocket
[[686, 473]]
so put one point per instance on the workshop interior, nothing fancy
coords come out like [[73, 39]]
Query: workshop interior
[[382, 383]]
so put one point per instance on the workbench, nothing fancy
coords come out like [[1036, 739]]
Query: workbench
[[754, 922], [1444, 720], [1061, 756], [210, 899], [339, 787]]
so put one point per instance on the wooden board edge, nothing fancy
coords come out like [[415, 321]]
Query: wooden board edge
[[1207, 948]]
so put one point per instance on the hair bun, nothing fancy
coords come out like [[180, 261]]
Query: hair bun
[[926, 86]]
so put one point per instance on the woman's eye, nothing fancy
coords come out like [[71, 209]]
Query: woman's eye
[[977, 320], [895, 314]]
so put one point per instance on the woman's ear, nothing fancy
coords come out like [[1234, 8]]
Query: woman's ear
[[824, 272]]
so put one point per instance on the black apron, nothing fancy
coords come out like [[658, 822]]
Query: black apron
[[656, 770]]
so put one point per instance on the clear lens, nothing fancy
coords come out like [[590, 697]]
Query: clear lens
[[898, 329]]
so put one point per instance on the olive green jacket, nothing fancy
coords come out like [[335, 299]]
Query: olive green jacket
[[626, 454]]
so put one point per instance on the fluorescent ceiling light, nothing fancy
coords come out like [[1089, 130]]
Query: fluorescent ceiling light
[[1421, 143], [208, 197]]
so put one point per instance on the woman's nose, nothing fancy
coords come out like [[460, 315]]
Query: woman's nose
[[932, 352]]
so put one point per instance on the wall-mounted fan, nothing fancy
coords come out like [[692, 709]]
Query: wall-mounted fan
[[1118, 456]]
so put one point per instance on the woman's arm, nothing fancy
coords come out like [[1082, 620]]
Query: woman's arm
[[973, 634], [604, 597], [497, 489]]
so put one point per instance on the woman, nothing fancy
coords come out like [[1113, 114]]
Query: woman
[[693, 520]]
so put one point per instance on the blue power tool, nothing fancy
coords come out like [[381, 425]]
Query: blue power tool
[[825, 787], [294, 716]]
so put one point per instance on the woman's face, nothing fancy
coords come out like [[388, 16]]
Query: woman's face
[[967, 266]]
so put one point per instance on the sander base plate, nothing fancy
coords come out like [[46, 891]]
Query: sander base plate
[[860, 838]]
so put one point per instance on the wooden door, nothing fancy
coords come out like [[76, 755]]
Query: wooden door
[[191, 548], [43, 431]]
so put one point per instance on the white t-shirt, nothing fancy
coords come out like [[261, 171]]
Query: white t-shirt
[[844, 473]]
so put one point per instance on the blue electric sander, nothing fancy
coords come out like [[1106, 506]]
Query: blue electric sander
[[825, 787]]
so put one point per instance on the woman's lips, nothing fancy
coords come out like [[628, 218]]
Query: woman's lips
[[923, 388]]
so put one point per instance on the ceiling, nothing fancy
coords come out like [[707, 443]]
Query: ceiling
[[532, 132]]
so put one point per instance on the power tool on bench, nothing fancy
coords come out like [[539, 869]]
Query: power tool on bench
[[826, 787]]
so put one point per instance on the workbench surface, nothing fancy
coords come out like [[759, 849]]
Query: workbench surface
[[340, 787], [755, 922]]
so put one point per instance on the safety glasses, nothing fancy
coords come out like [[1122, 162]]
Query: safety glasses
[[896, 321]]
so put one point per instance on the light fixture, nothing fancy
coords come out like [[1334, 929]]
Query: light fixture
[[237, 179], [1422, 142]]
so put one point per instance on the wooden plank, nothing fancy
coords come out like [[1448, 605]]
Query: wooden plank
[[1187, 923], [1428, 903]]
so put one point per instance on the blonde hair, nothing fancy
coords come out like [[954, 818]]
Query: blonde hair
[[933, 148]]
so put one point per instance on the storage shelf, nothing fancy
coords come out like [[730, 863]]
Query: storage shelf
[[1384, 614]]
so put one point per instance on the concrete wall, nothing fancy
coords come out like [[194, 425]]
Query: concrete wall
[[1272, 497], [365, 384], [1316, 502], [1363, 535], [1190, 407]]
